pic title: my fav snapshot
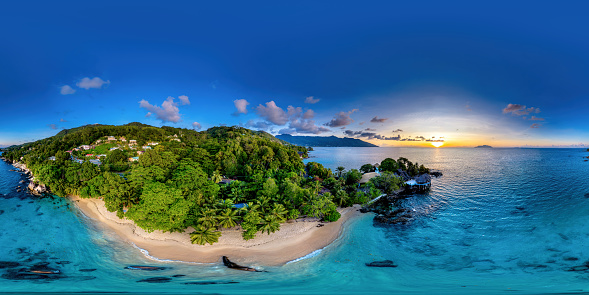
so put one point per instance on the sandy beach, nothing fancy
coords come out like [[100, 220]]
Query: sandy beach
[[294, 239]]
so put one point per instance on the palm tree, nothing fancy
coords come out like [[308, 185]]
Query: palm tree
[[279, 212], [270, 224], [202, 235], [228, 219], [216, 177], [340, 170], [208, 218]]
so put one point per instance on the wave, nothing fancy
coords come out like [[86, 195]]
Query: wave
[[310, 255], [146, 254]]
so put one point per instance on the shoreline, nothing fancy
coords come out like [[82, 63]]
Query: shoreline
[[294, 240]]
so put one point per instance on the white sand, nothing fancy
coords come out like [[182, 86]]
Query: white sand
[[293, 240]]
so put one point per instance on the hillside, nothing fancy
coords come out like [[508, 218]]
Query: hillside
[[324, 141], [170, 179]]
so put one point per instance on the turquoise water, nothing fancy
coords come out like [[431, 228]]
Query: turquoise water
[[499, 220]]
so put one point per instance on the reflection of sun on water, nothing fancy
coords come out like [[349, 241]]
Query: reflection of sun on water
[[438, 143]]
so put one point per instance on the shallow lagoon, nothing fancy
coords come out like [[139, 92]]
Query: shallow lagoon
[[498, 220]]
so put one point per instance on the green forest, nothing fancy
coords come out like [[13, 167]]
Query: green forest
[[170, 179]]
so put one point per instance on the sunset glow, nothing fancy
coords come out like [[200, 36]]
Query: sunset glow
[[437, 144]]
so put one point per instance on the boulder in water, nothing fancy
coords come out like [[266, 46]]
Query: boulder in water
[[210, 283], [230, 264], [155, 280], [145, 267], [383, 263], [8, 264]]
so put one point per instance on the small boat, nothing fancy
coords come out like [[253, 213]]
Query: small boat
[[45, 271]]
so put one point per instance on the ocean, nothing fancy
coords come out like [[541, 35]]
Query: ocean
[[498, 220]]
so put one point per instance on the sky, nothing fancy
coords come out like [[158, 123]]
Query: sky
[[506, 74]]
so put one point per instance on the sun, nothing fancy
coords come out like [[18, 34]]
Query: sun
[[438, 143]]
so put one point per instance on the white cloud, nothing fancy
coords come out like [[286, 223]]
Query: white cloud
[[311, 100], [309, 114], [272, 113], [184, 99], [148, 115], [88, 83], [168, 112], [241, 106], [196, 125], [341, 119], [67, 89], [62, 120], [307, 126]]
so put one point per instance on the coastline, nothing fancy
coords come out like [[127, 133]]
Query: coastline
[[294, 240]]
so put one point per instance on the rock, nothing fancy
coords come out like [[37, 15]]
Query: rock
[[383, 263], [571, 259], [579, 268], [210, 283], [230, 264], [8, 264], [178, 276], [88, 269], [145, 267], [155, 280], [2, 212]]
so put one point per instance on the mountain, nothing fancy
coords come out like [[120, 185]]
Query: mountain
[[324, 141], [483, 146]]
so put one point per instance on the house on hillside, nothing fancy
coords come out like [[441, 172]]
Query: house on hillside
[[153, 143], [52, 158], [146, 147], [113, 148], [140, 152], [132, 141], [84, 147], [133, 159], [111, 138], [123, 139]]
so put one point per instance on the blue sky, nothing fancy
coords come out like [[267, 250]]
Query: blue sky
[[390, 73]]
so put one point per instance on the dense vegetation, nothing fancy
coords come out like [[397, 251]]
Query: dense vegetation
[[219, 178], [324, 141]]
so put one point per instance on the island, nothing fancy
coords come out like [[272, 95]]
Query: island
[[324, 141], [483, 146], [184, 195]]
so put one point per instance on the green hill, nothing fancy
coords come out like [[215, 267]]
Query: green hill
[[324, 141]]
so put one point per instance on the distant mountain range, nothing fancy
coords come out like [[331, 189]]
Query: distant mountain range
[[484, 146], [324, 141]]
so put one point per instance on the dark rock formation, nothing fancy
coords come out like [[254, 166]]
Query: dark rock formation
[[145, 267], [383, 263], [210, 283], [156, 280], [88, 269], [230, 264], [8, 264]]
